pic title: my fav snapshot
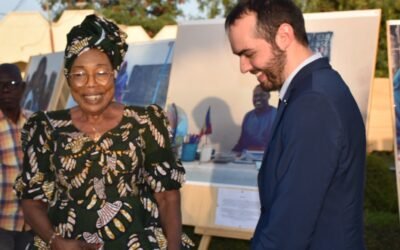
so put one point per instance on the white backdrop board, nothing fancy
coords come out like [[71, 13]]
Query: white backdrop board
[[354, 47], [205, 72], [393, 38]]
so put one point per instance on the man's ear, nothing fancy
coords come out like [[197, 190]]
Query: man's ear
[[284, 36]]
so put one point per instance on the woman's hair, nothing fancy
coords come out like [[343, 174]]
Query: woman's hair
[[95, 32]]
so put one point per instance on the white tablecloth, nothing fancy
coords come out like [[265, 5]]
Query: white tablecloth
[[221, 174]]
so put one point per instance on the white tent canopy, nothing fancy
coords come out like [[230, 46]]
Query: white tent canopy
[[25, 34]]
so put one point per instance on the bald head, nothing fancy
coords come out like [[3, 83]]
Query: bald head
[[260, 98]]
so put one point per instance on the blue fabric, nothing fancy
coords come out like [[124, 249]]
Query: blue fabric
[[396, 90], [256, 130], [311, 182]]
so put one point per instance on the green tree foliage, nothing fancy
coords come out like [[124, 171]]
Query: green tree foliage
[[54, 8], [152, 15], [215, 8]]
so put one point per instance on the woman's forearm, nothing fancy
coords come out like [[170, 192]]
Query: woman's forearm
[[35, 214], [170, 216]]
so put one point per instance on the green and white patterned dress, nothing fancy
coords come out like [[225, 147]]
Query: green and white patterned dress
[[101, 192]]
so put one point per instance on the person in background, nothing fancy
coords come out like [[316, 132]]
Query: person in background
[[13, 234], [100, 175], [311, 181], [257, 123]]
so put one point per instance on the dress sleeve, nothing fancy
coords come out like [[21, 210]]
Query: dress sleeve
[[37, 178], [162, 170]]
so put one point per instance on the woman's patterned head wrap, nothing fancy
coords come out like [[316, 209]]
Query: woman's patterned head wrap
[[99, 33]]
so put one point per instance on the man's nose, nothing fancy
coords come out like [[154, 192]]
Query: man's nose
[[245, 65], [5, 88]]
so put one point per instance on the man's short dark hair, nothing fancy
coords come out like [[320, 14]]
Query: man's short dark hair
[[270, 15], [11, 70]]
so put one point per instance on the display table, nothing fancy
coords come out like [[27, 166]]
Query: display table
[[220, 200], [221, 174]]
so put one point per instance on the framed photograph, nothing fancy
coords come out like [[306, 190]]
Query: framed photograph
[[393, 38], [144, 75], [43, 82], [206, 73]]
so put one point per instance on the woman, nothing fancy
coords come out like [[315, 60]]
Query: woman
[[100, 175]]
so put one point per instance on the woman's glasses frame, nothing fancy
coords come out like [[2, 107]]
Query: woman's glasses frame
[[81, 78]]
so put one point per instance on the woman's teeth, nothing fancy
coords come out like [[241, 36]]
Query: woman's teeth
[[93, 98]]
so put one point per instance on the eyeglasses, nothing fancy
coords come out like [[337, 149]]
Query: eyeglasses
[[81, 78], [11, 85]]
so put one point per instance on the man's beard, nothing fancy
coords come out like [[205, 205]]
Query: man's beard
[[274, 71]]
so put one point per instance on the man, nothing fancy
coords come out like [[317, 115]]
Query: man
[[312, 178], [12, 118], [257, 123]]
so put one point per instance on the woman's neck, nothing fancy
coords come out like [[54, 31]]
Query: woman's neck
[[99, 117]]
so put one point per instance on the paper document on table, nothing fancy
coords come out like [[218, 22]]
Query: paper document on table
[[237, 208]]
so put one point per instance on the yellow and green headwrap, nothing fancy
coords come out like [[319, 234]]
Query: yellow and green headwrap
[[95, 32]]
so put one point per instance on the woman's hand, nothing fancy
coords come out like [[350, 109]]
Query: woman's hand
[[60, 243]]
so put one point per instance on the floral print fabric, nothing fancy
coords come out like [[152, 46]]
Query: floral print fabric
[[101, 192]]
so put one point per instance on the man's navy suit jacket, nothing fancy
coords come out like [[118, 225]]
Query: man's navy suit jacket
[[311, 181]]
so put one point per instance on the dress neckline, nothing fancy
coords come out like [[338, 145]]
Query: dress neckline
[[121, 121]]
